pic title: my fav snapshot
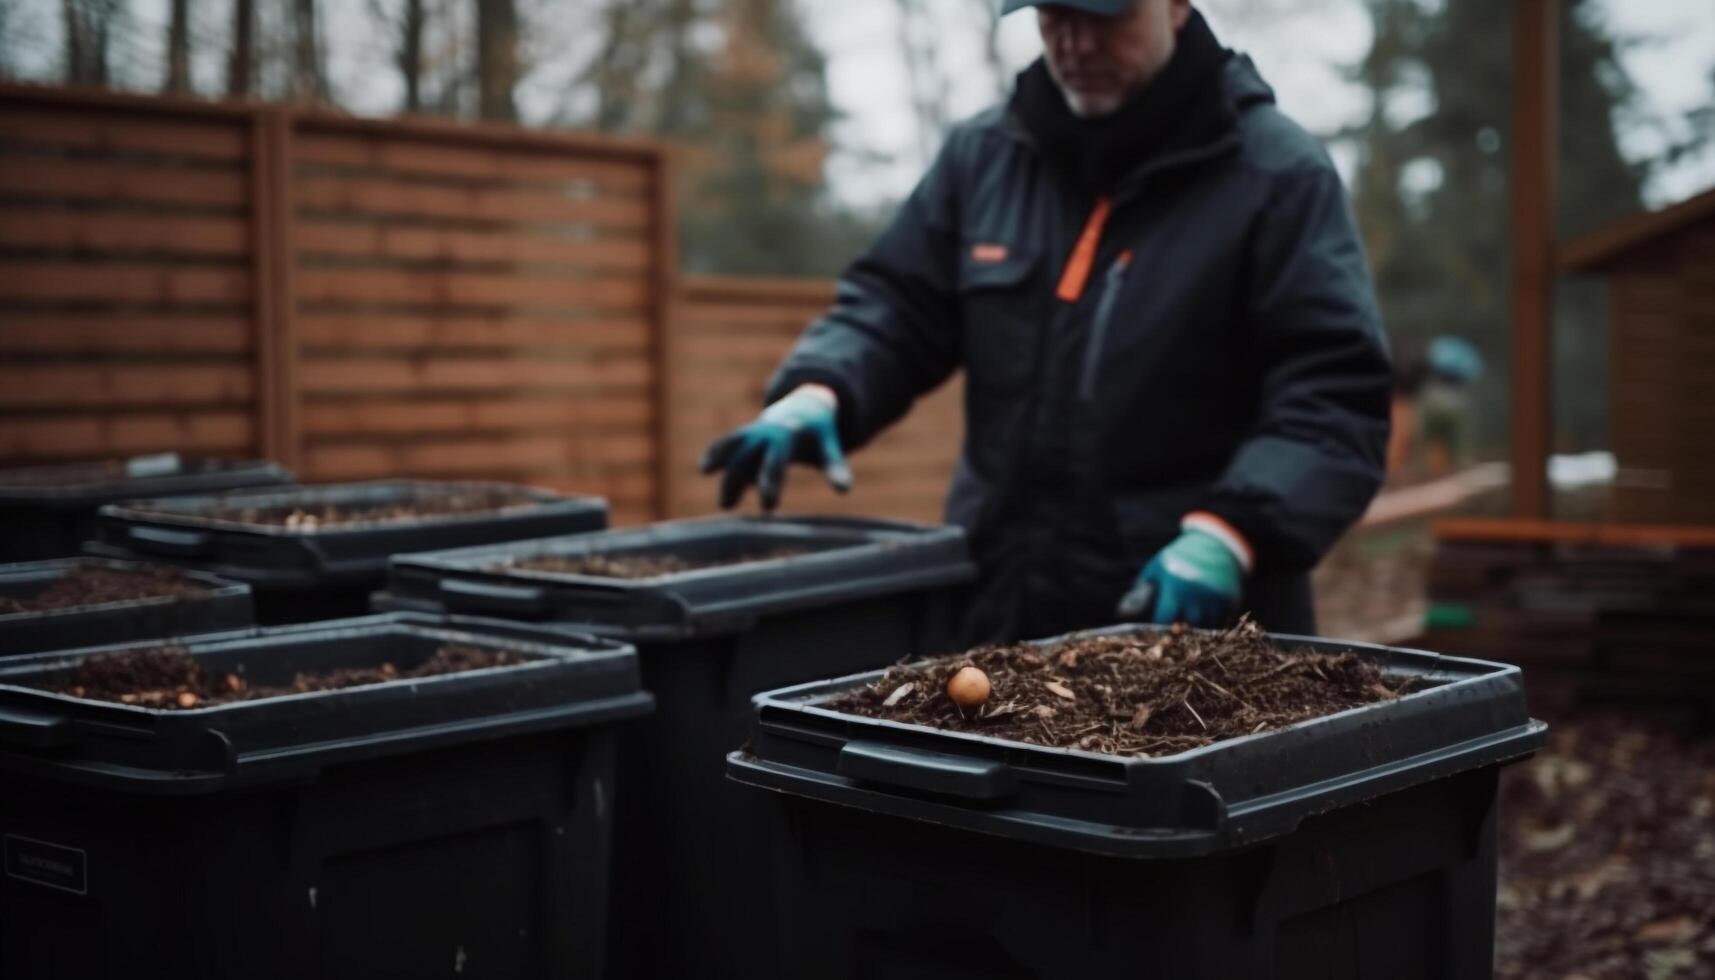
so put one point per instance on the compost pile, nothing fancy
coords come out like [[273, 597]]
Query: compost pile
[[1608, 854], [309, 517], [169, 677], [91, 586], [638, 566], [1140, 694]]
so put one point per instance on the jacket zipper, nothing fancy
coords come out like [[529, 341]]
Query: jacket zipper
[[1099, 330]]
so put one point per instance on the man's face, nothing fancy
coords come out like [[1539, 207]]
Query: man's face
[[1099, 62]]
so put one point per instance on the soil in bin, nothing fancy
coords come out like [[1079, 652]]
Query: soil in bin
[[309, 517], [168, 677], [1140, 695], [93, 586], [639, 566]]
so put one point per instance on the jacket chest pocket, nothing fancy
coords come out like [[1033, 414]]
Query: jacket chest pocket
[[1000, 305]]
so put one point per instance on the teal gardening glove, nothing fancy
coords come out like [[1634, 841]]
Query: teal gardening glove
[[1197, 580], [800, 426]]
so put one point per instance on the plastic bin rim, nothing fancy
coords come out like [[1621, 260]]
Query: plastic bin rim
[[544, 656], [216, 586], [462, 559], [147, 511], [795, 699], [123, 487]]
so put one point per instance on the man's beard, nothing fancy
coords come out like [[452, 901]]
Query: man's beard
[[1091, 105]]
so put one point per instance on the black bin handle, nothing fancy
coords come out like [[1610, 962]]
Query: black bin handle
[[463, 595], [934, 772], [168, 541], [34, 729]]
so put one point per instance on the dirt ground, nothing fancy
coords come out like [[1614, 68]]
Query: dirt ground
[[1608, 854]]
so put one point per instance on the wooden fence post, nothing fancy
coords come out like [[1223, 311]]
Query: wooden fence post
[[665, 312], [276, 340]]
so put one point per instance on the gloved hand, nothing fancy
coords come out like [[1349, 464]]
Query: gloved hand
[[1196, 580], [800, 426]]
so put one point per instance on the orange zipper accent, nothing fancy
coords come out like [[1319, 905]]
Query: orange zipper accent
[[1077, 274]]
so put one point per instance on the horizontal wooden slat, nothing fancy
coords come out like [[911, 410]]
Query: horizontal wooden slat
[[596, 456], [119, 180], [362, 196], [388, 332], [1559, 532], [331, 285], [473, 162], [789, 320], [70, 333], [130, 384], [408, 242], [130, 132], [72, 281], [120, 231], [428, 374], [472, 414], [50, 436]]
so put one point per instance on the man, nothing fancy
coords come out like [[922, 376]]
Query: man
[[1173, 356]]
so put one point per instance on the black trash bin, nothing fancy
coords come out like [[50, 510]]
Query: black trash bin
[[50, 511], [455, 825], [1356, 845], [818, 596], [304, 564], [211, 605]]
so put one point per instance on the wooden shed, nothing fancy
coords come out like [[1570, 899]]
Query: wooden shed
[[1660, 269]]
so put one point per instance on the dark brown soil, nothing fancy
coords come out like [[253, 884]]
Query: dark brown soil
[[1130, 695], [309, 517], [169, 678], [1608, 854], [639, 566], [91, 586]]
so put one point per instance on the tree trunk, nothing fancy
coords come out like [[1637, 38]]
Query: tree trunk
[[411, 54], [497, 68], [676, 94], [179, 48], [309, 82], [241, 65]]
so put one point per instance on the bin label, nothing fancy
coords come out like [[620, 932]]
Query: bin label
[[53, 865]]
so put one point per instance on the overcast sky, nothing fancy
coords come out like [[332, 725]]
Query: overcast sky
[[1301, 46]]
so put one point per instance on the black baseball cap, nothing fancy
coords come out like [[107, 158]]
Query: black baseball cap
[[1106, 8]]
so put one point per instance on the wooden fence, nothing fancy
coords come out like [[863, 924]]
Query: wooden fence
[[352, 298], [728, 336], [362, 299]]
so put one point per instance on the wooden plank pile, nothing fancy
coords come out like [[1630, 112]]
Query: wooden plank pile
[[1619, 611]]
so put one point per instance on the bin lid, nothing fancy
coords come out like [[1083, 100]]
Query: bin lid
[[270, 549], [1205, 800], [560, 680], [743, 568], [67, 486]]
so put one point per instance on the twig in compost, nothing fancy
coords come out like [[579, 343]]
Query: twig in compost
[[1195, 715]]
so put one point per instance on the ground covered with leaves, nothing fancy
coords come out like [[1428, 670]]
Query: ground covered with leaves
[[1139, 694], [1608, 854]]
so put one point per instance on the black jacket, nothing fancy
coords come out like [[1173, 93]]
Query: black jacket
[[1225, 355]]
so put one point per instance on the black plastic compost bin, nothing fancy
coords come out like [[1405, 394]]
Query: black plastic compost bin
[[688, 900], [223, 605], [320, 571], [446, 826], [1358, 845], [50, 511]]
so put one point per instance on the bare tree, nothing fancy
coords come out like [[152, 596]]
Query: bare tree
[[497, 64], [923, 74], [179, 48], [408, 28], [88, 30], [241, 63], [309, 77]]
